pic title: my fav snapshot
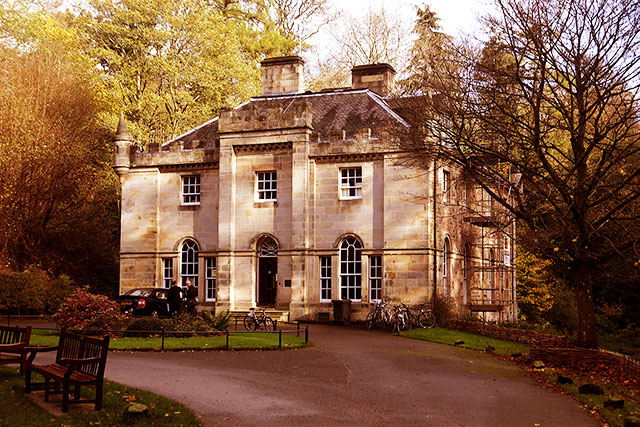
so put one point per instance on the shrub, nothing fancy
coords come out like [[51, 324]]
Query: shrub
[[84, 310], [219, 322], [188, 322], [23, 291], [444, 310], [55, 294], [144, 327], [32, 291]]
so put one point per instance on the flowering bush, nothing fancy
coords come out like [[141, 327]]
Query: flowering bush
[[84, 310]]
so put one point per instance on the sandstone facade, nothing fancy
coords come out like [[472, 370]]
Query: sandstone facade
[[295, 199]]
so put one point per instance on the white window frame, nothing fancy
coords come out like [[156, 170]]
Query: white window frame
[[189, 263], [351, 269], [375, 278], [167, 272], [350, 183], [266, 186], [211, 278], [325, 278], [446, 185], [190, 190]]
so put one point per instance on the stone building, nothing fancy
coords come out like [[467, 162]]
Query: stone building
[[294, 199]]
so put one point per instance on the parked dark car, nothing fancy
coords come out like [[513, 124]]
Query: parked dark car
[[145, 302]]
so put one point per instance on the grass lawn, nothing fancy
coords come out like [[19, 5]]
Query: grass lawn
[[237, 341], [17, 410], [472, 341]]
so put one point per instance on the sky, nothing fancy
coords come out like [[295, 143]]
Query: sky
[[456, 16]]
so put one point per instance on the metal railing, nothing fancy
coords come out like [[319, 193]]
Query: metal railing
[[165, 334]]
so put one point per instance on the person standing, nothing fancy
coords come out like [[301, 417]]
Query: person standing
[[192, 298], [174, 298]]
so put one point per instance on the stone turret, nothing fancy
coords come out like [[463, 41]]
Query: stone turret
[[122, 148]]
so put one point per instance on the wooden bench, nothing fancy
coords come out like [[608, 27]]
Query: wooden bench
[[13, 340], [80, 361]]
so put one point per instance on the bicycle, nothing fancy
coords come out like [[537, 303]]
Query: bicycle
[[257, 320], [424, 318], [400, 319], [379, 317]]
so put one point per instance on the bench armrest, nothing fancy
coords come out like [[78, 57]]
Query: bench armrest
[[74, 364], [12, 348], [33, 351]]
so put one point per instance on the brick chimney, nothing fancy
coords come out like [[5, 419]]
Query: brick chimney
[[376, 77], [283, 74]]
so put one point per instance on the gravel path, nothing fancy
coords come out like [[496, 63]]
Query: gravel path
[[350, 376]]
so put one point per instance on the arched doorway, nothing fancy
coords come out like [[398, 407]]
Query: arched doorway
[[267, 271]]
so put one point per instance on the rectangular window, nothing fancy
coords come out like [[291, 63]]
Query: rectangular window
[[167, 272], [375, 278], [191, 190], [325, 278], [351, 183], [211, 279], [266, 186], [446, 185]]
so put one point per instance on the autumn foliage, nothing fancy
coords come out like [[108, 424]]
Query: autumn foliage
[[84, 310]]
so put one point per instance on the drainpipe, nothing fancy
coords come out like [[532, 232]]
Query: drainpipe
[[435, 233]]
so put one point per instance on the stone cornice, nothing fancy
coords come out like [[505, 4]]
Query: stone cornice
[[256, 148], [188, 167], [341, 158]]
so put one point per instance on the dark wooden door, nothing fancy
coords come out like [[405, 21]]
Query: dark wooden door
[[267, 270]]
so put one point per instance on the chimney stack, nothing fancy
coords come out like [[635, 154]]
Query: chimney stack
[[280, 75], [377, 78]]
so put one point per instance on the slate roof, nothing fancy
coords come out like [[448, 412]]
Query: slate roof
[[333, 111]]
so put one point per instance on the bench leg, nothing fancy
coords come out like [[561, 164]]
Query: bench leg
[[46, 389], [27, 380], [65, 397], [98, 395]]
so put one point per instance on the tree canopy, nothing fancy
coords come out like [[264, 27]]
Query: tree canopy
[[173, 64], [549, 107]]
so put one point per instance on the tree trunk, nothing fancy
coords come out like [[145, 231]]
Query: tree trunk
[[586, 309]]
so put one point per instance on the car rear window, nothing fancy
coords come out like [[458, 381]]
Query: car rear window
[[138, 293]]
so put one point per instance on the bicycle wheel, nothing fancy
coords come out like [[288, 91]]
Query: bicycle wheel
[[427, 319], [250, 323], [370, 320], [268, 324]]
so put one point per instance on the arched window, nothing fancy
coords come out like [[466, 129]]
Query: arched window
[[268, 248], [189, 263], [350, 269], [446, 255]]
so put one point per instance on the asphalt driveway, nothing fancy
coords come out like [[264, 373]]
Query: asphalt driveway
[[350, 377]]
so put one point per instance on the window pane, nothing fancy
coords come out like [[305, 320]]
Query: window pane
[[211, 279], [350, 183], [191, 189], [350, 269], [325, 278], [189, 263], [266, 186], [375, 278]]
